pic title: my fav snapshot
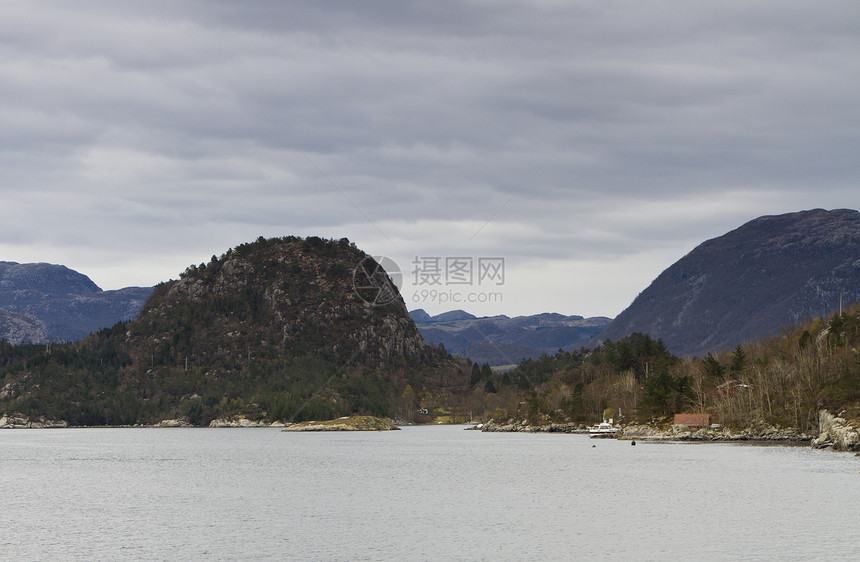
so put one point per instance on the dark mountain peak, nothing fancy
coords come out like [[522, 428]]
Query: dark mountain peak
[[601, 321], [67, 304], [44, 278], [536, 321], [747, 284], [555, 316], [801, 229], [502, 340], [453, 315], [419, 315], [296, 294]]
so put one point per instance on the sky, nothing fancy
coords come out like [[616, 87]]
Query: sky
[[508, 157]]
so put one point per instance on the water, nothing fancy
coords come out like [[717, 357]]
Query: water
[[423, 493]]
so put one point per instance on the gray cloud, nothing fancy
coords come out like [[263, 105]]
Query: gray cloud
[[137, 138]]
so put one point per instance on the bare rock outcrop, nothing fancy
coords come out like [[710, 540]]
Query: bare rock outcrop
[[238, 421], [18, 420], [755, 432], [836, 432], [349, 423], [180, 422], [19, 327], [514, 425]]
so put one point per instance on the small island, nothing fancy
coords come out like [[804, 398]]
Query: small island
[[348, 423]]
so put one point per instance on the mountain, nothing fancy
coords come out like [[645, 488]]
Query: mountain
[[279, 329], [17, 328], [500, 340], [60, 304], [771, 272], [297, 295]]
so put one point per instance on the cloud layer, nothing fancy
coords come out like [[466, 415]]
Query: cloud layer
[[589, 144]]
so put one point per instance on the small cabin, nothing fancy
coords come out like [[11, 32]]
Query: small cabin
[[693, 421]]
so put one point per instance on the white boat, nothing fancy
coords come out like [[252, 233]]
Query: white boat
[[602, 429]]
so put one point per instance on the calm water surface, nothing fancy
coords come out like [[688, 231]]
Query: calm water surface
[[423, 493]]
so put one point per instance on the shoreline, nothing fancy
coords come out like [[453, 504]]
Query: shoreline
[[834, 433], [652, 433], [20, 421]]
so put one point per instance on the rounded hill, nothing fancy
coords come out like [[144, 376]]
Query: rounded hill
[[278, 329]]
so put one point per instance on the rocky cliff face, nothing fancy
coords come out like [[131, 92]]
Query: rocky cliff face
[[17, 328], [350, 423], [65, 304], [745, 285], [18, 420], [295, 295], [836, 432]]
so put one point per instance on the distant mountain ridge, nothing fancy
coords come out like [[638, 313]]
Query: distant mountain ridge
[[747, 284], [46, 303], [501, 340]]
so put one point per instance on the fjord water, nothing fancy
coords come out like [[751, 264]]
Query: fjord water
[[423, 493]]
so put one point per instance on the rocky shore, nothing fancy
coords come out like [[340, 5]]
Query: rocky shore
[[241, 421], [836, 432], [759, 432], [352, 423], [20, 421], [513, 425], [649, 432]]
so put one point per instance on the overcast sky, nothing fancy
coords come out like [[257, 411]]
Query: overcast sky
[[589, 144]]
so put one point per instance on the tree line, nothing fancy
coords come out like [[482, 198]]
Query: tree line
[[782, 380]]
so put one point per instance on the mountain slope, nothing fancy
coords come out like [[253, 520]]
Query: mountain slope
[[16, 328], [500, 340], [68, 304], [273, 330], [294, 294], [747, 284]]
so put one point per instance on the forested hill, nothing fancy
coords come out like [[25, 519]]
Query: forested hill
[[772, 272], [282, 329], [782, 381]]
